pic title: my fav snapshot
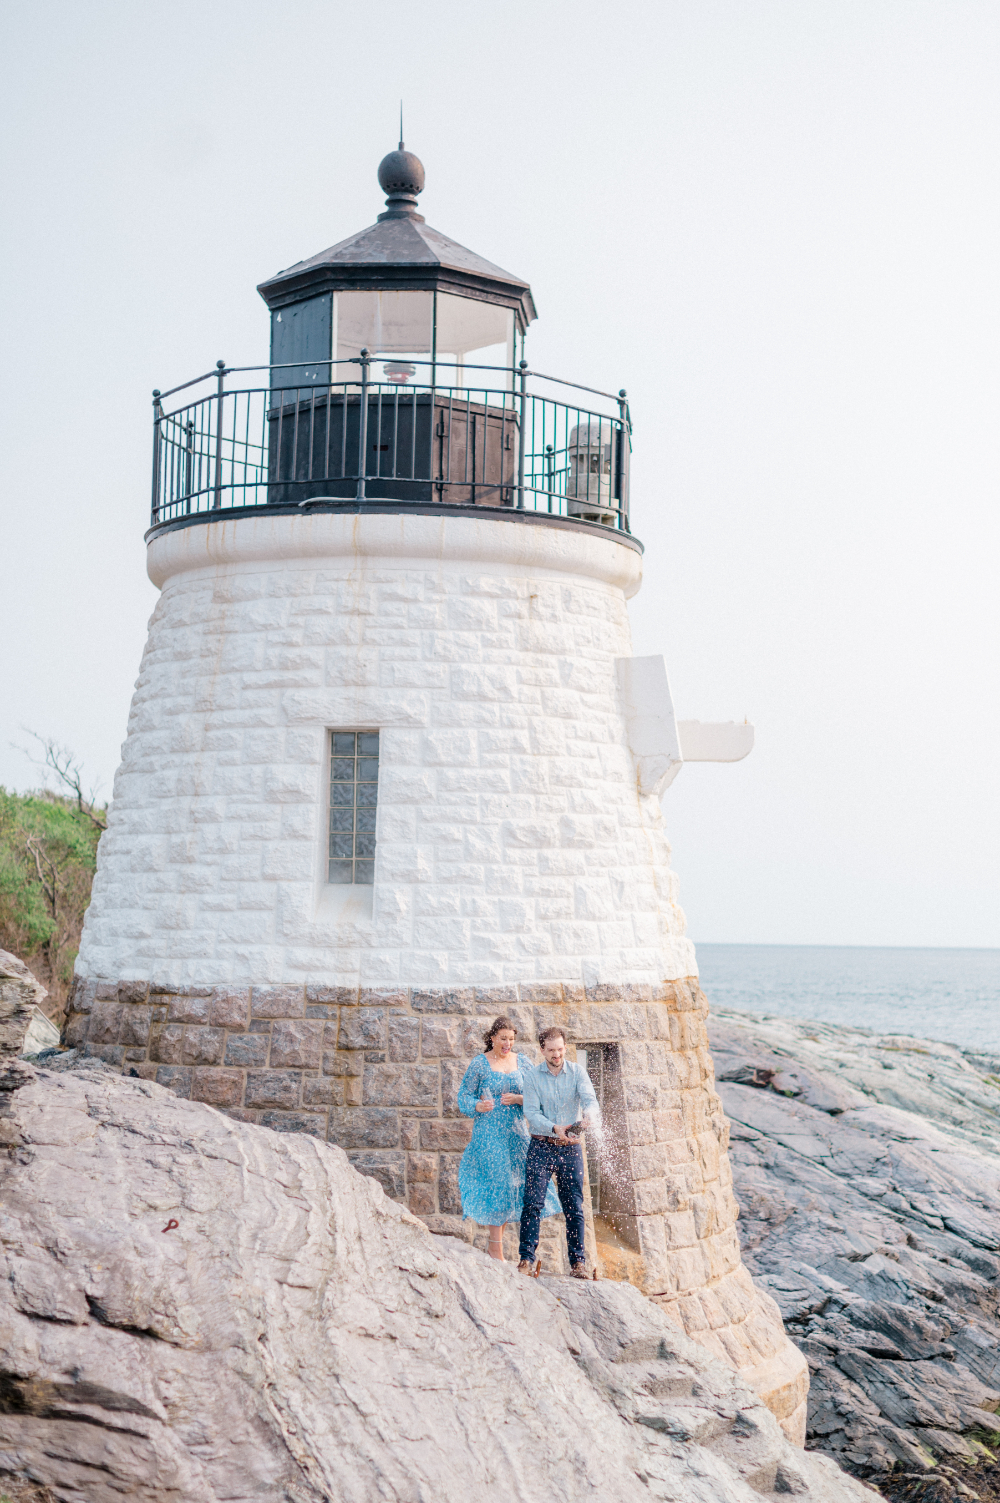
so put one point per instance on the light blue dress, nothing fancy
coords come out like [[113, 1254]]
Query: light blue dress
[[491, 1174]]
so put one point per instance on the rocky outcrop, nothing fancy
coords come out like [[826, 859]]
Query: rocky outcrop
[[377, 1073], [20, 995], [194, 1308], [868, 1171]]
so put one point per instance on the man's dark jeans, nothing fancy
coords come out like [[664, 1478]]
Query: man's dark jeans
[[566, 1163]]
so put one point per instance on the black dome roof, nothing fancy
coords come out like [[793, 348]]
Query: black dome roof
[[400, 251]]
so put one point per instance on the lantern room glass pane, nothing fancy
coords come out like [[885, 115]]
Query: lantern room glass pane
[[471, 333], [394, 324], [398, 330]]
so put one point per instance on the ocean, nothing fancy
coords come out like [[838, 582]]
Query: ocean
[[952, 995]]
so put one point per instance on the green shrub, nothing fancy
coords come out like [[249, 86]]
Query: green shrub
[[48, 855]]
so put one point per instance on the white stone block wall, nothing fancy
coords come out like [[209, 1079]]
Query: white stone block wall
[[518, 868], [512, 842]]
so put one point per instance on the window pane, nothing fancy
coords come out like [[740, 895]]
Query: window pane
[[469, 334], [394, 322], [353, 806]]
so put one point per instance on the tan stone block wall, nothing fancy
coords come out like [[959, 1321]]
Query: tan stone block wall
[[377, 1072]]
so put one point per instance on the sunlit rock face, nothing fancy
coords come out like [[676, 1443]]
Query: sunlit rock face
[[518, 869], [195, 1308]]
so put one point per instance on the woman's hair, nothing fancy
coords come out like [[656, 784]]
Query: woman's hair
[[494, 1028], [550, 1033]]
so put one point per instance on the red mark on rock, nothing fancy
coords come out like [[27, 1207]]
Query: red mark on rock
[[171, 1224]]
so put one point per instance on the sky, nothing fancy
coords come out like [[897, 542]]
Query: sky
[[775, 222]]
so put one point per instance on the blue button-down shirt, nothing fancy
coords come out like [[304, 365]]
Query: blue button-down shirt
[[557, 1100]]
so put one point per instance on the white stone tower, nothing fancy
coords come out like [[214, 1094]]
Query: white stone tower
[[391, 768]]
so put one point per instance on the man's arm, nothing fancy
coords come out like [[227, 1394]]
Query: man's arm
[[536, 1119]]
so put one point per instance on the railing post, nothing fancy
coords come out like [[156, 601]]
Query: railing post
[[157, 415], [523, 368], [220, 366], [621, 462], [363, 428], [189, 463]]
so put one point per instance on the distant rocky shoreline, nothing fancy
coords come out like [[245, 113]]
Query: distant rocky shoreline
[[867, 1167]]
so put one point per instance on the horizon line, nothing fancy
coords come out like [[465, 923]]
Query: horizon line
[[767, 944]]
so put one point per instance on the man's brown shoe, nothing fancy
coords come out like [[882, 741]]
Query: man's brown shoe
[[525, 1267], [579, 1271]]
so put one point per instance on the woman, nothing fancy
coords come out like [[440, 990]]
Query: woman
[[491, 1174]]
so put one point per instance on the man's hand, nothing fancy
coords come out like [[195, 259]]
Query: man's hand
[[559, 1133]]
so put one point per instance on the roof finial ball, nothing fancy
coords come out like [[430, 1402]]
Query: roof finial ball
[[401, 176]]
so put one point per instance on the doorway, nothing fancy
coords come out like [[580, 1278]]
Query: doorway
[[609, 1169]]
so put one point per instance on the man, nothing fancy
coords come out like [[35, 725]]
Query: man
[[555, 1093]]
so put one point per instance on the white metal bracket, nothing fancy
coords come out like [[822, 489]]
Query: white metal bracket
[[659, 742]]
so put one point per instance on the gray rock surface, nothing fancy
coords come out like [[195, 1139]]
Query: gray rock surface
[[20, 995], [868, 1171], [194, 1308]]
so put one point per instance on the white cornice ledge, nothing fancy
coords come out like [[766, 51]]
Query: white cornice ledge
[[396, 540]]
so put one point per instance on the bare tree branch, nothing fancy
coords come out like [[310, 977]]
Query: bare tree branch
[[69, 772], [41, 858]]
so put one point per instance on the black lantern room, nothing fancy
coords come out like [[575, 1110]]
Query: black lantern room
[[421, 305], [434, 333], [396, 376]]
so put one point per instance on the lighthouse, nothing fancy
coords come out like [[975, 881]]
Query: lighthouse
[[392, 769]]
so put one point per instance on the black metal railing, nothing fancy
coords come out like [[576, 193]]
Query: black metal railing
[[383, 430]]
